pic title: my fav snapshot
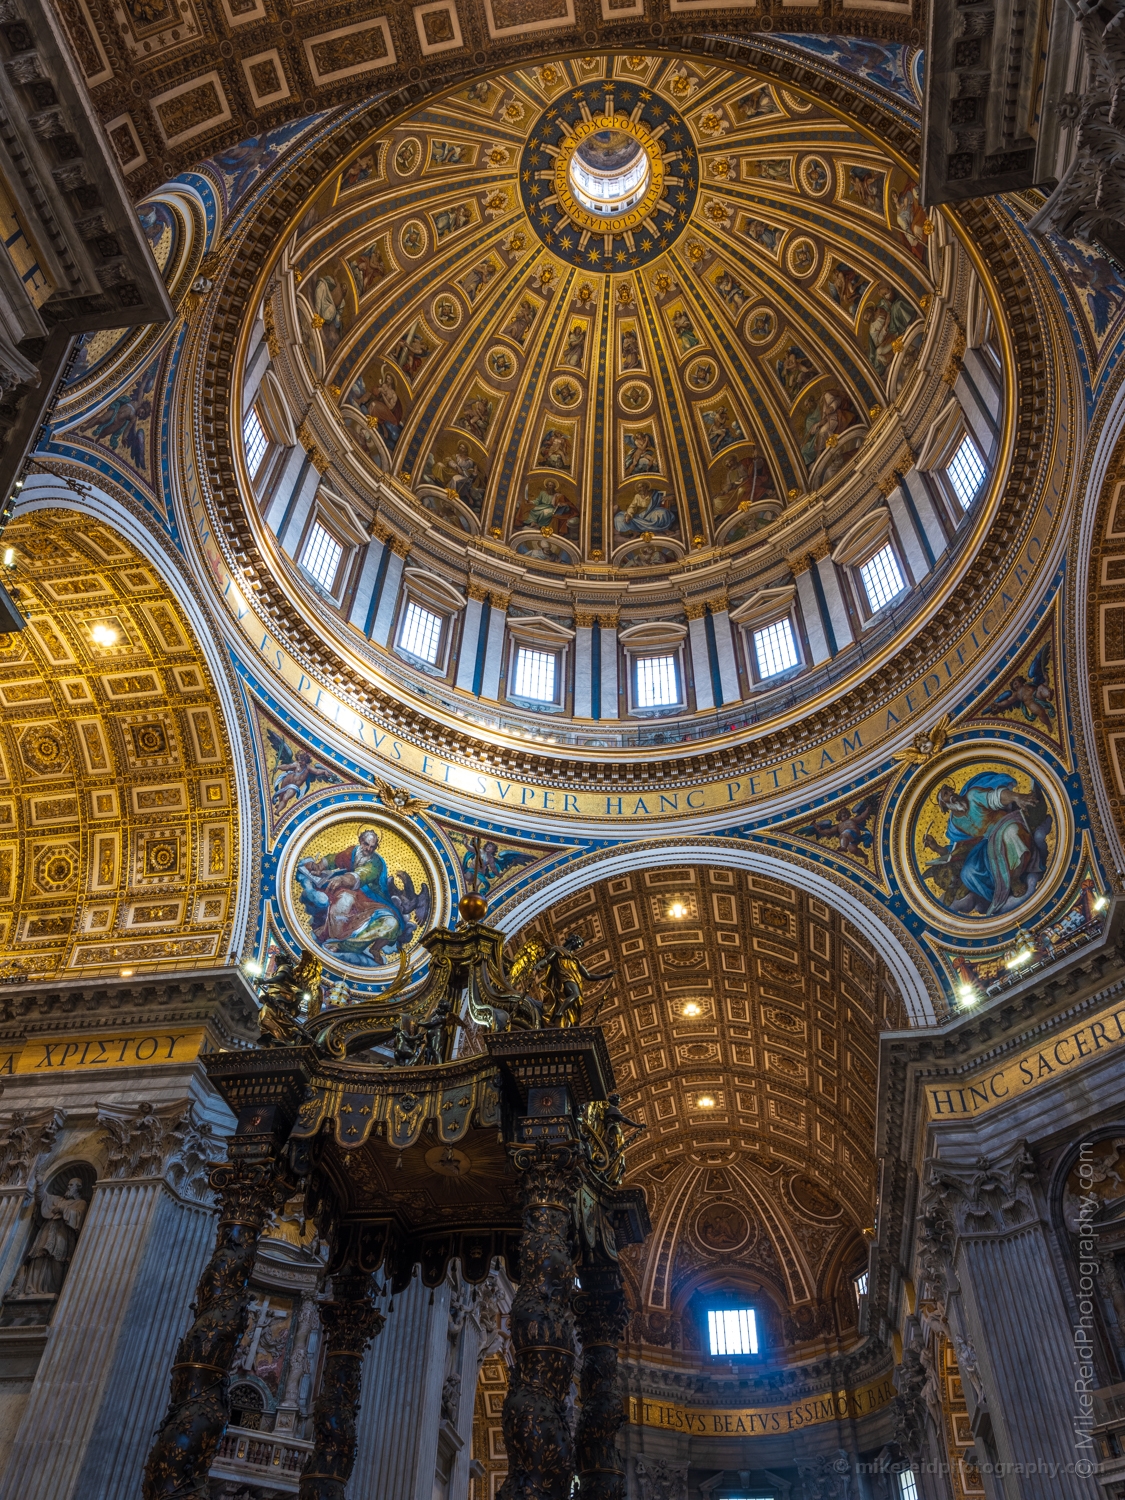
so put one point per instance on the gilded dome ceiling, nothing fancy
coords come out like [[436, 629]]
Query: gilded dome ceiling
[[615, 310]]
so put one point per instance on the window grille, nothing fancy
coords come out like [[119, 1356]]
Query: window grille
[[966, 472], [321, 556], [421, 632], [535, 674], [775, 648], [254, 440], [656, 682], [907, 1485], [732, 1330], [882, 580]]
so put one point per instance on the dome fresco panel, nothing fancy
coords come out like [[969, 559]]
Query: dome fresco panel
[[686, 380]]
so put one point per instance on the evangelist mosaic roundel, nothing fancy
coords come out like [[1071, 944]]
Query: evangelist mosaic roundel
[[982, 837], [624, 126], [361, 889]]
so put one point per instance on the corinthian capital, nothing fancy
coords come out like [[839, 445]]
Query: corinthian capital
[[145, 1140], [25, 1137]]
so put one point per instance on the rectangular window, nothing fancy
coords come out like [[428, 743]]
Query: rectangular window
[[656, 682], [881, 577], [860, 1284], [733, 1331], [775, 648], [907, 1485], [421, 633], [254, 441], [535, 674], [966, 472], [321, 556]]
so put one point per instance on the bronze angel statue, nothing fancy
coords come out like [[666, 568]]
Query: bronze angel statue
[[280, 997], [558, 976], [606, 1131]]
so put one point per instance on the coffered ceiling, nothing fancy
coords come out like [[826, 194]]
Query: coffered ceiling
[[175, 80], [768, 1004]]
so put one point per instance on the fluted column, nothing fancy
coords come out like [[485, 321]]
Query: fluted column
[[1013, 1334], [537, 1433], [175, 1251], [397, 1459], [250, 1187], [602, 1315], [350, 1321]]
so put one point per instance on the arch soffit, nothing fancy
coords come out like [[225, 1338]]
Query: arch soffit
[[44, 492], [901, 957]]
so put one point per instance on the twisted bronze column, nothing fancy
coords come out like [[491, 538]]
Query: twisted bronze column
[[249, 1191], [350, 1321], [602, 1314], [537, 1432]]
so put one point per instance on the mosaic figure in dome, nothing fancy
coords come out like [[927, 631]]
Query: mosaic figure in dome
[[328, 301], [458, 471], [887, 319], [296, 773], [382, 407], [748, 481], [548, 509], [795, 370], [722, 428], [910, 218], [641, 456], [573, 352], [827, 415], [412, 351], [1032, 696], [555, 450], [649, 509], [996, 844], [368, 267], [865, 186], [754, 105], [846, 287]]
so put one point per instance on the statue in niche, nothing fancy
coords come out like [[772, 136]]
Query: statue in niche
[[59, 1222]]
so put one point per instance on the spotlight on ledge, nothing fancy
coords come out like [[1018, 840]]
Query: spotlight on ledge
[[9, 557], [103, 635], [692, 1008], [677, 911], [705, 1102], [126, 973], [1100, 903], [967, 994], [1019, 958], [252, 967]]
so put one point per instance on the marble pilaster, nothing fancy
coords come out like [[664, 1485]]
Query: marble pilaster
[[400, 1403]]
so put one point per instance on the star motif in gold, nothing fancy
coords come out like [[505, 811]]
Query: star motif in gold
[[646, 244], [592, 256]]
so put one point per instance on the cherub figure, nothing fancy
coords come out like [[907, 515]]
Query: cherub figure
[[848, 826], [1032, 694]]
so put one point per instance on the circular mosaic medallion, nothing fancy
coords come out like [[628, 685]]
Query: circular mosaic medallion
[[406, 156], [722, 1226], [701, 375], [412, 238], [980, 838], [613, 195], [815, 176], [361, 888], [759, 325], [566, 391], [501, 362], [446, 311], [812, 1199], [634, 397], [802, 257]]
